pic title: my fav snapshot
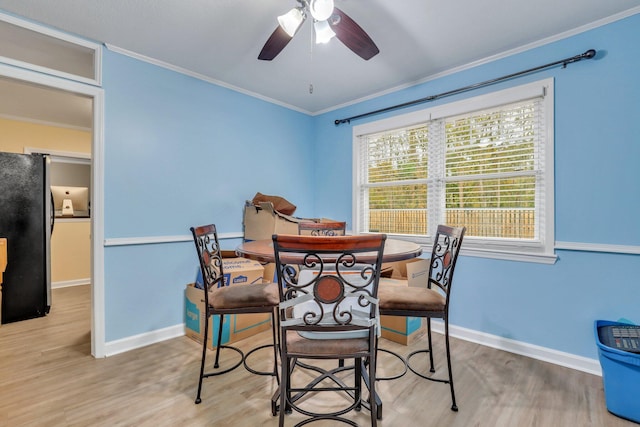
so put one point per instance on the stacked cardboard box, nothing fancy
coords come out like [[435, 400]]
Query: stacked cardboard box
[[404, 330], [238, 272]]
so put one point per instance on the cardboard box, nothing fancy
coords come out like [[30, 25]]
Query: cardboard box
[[404, 330], [238, 272], [263, 221]]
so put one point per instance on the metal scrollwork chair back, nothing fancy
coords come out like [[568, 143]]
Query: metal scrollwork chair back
[[430, 301], [220, 299], [322, 228], [328, 310]]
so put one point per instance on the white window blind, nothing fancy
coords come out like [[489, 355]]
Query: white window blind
[[486, 169]]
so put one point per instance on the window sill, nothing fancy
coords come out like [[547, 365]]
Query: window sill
[[532, 253]]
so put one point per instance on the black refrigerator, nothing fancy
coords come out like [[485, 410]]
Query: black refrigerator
[[26, 220]]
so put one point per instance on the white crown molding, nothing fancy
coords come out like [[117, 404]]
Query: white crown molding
[[505, 54], [199, 76]]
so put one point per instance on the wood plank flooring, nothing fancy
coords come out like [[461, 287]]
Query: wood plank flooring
[[49, 378]]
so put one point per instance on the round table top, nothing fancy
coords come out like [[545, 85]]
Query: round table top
[[394, 250]]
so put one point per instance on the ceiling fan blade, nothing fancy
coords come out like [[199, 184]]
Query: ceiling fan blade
[[274, 45], [352, 35]]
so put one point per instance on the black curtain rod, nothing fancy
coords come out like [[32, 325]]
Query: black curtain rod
[[587, 55]]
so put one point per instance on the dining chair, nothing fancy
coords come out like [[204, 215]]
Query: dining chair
[[431, 300], [328, 310], [325, 228], [221, 299]]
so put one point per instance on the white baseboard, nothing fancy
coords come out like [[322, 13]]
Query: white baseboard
[[131, 343], [68, 283], [584, 364], [568, 360]]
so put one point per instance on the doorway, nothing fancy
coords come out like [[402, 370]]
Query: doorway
[[68, 96]]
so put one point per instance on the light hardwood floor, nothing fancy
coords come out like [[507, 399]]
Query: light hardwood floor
[[48, 378]]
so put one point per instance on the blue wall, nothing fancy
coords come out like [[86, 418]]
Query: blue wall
[[597, 168], [179, 152]]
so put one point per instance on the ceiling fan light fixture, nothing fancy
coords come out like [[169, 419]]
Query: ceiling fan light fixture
[[324, 33], [321, 10], [291, 21]]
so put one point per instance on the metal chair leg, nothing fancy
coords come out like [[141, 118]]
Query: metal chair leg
[[454, 407], [433, 369], [216, 364], [204, 356]]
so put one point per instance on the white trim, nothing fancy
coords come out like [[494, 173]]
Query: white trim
[[97, 231], [86, 157], [599, 247], [538, 88], [488, 59], [142, 340], [69, 283], [97, 194], [50, 71], [47, 31], [510, 255], [538, 251], [43, 122], [202, 77], [129, 241], [568, 360]]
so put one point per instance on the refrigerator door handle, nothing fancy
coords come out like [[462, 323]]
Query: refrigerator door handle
[[52, 213]]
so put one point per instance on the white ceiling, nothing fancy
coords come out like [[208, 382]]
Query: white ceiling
[[44, 105], [418, 39]]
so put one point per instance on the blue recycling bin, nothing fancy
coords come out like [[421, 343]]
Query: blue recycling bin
[[620, 376]]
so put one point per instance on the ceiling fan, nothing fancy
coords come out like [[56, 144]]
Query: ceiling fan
[[328, 21]]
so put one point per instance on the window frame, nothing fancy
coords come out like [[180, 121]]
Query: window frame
[[541, 251], [65, 43]]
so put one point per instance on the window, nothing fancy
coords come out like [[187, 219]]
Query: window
[[42, 49], [485, 163]]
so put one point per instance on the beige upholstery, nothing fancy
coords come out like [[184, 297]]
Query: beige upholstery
[[300, 346], [394, 297], [244, 296]]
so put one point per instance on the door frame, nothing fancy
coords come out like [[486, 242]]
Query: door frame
[[97, 195]]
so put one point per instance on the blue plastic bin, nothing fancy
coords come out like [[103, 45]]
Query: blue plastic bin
[[620, 376]]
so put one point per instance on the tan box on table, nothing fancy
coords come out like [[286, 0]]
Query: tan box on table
[[412, 272], [238, 272], [263, 221]]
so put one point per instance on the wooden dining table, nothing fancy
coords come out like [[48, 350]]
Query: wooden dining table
[[394, 250]]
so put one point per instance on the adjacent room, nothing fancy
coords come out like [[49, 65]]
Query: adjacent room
[[508, 128]]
